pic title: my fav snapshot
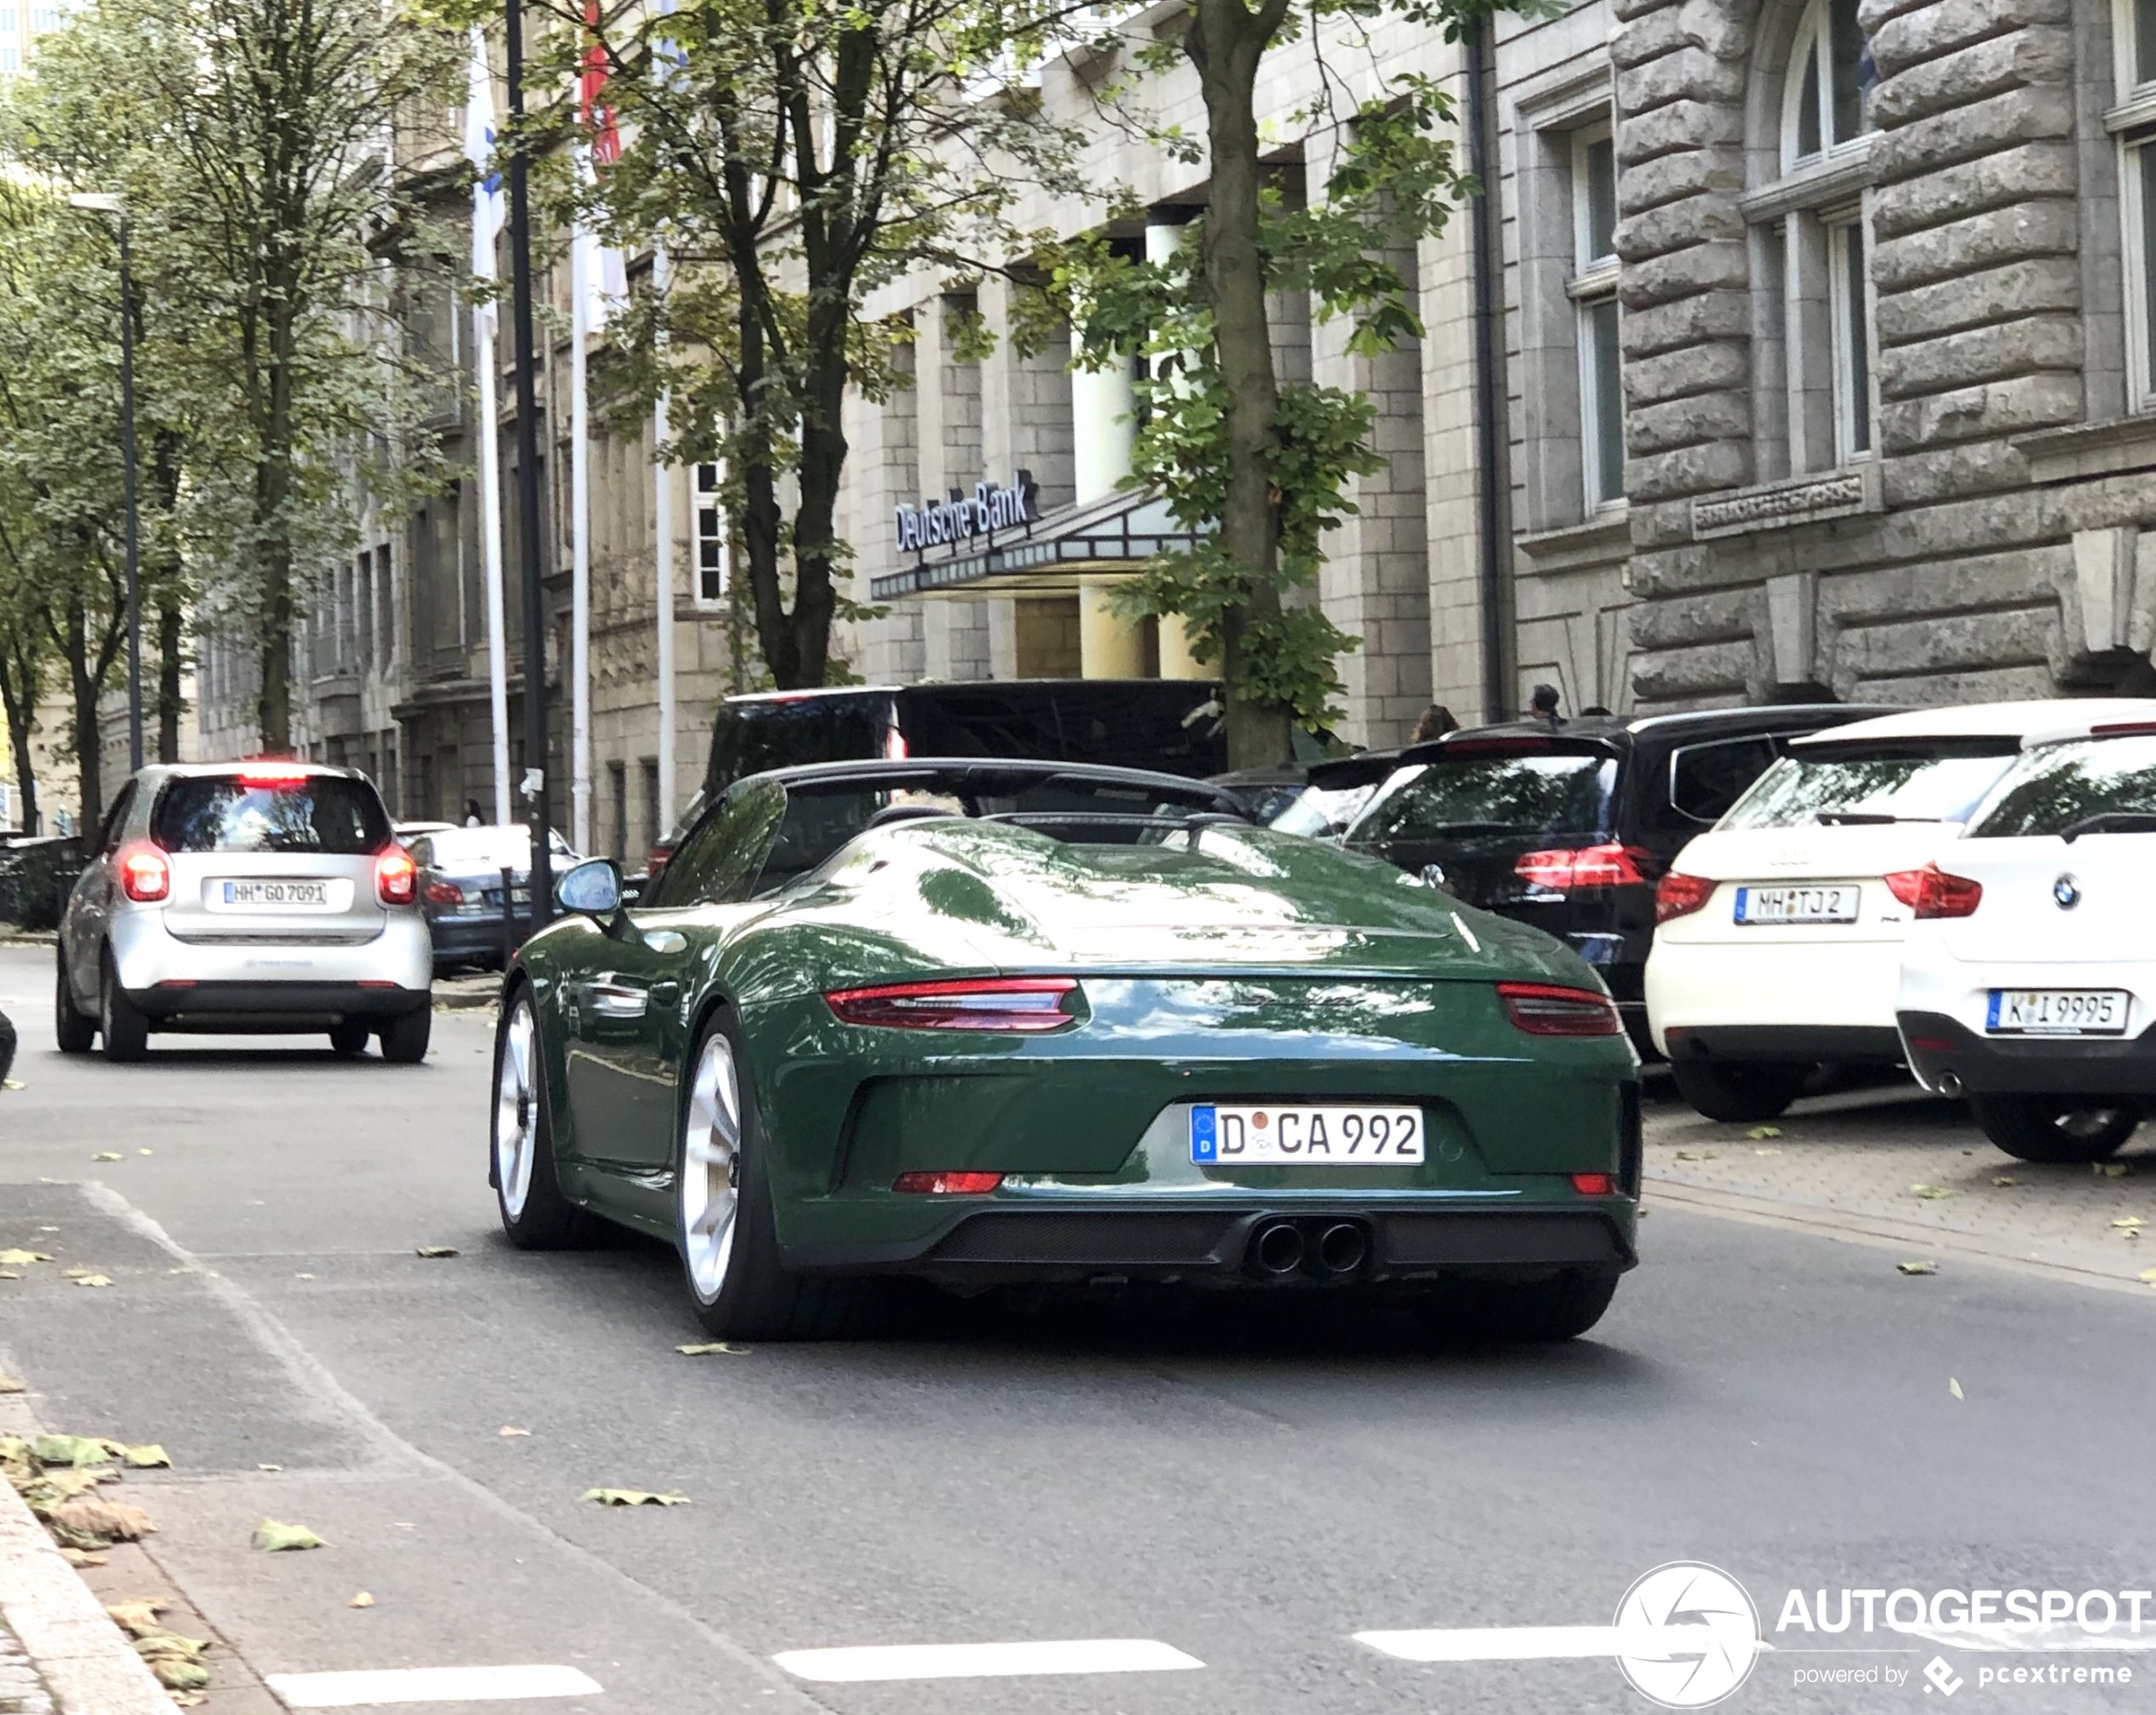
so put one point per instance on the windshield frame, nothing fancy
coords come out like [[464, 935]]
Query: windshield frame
[[1943, 749]]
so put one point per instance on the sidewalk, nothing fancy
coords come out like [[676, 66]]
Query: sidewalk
[[22, 1691], [1852, 1164]]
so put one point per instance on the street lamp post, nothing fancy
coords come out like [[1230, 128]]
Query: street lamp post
[[528, 526], [104, 202]]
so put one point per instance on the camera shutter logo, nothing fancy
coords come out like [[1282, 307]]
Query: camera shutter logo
[[1687, 1635]]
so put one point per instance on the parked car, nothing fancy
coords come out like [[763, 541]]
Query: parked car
[[1569, 827], [1168, 725], [35, 871], [1780, 938], [407, 832], [1333, 794], [460, 888], [986, 1022], [249, 896], [2027, 982]]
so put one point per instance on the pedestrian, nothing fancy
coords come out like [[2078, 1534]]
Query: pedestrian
[[6, 1045], [472, 816], [1435, 722], [1543, 705]]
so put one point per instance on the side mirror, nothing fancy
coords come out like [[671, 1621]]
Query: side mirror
[[593, 888]]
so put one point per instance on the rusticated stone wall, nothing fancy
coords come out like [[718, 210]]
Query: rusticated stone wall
[[1982, 560]]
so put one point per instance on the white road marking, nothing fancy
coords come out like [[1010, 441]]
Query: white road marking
[[429, 1685], [1529, 1643], [985, 1661]]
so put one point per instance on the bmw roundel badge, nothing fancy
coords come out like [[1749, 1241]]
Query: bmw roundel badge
[[2067, 891]]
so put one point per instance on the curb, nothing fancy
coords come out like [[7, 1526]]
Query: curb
[[28, 938], [467, 999], [72, 1644]]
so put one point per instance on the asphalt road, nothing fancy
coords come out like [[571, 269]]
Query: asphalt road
[[1250, 1493]]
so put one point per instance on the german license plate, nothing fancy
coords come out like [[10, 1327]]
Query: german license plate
[[274, 895], [1832, 904], [1325, 1136], [2057, 1012]]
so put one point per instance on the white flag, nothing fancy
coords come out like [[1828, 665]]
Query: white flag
[[488, 205]]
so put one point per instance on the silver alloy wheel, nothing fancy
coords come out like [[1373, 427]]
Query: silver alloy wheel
[[710, 1149], [516, 1112]]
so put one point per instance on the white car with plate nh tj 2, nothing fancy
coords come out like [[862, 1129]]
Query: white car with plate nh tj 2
[[247, 897], [2029, 981], [1778, 937]]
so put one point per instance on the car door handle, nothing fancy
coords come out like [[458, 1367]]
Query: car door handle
[[665, 941], [664, 993], [613, 999]]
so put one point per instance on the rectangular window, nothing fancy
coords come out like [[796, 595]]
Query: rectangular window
[[1852, 343], [11, 58], [713, 547], [2142, 60], [1593, 288], [2139, 160]]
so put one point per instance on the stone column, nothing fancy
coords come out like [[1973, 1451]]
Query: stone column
[[954, 634], [1102, 430], [1166, 230]]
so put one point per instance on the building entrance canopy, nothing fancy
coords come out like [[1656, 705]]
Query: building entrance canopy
[[994, 543]]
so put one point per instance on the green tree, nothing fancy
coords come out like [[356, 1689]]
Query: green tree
[[259, 145], [1261, 468]]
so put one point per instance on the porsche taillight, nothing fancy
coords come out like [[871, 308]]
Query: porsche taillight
[[1549, 1008], [1025, 1004]]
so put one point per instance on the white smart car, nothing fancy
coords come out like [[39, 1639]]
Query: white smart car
[[2028, 978], [1778, 936]]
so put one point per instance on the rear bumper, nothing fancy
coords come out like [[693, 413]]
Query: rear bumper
[[1711, 988], [1101, 1242], [1948, 1056], [1805, 1044], [145, 955], [273, 1007], [475, 936]]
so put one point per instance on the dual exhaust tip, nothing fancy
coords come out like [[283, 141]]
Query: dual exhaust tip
[[1323, 1250]]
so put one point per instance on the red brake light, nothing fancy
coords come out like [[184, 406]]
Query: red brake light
[[1544, 1009], [1592, 1184], [1585, 866], [1680, 895], [1023, 1004], [396, 878], [1931, 892], [895, 749], [444, 893], [948, 1184], [271, 777], [144, 875], [2114, 729]]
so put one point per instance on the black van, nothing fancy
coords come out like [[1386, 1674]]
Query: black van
[[1171, 726], [1569, 827]]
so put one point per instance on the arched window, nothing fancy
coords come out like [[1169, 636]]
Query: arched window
[[1827, 96], [2133, 121]]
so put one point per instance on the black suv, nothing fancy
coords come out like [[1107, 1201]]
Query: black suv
[[1569, 826], [1168, 726]]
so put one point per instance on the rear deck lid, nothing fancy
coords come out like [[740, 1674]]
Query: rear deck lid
[[272, 855]]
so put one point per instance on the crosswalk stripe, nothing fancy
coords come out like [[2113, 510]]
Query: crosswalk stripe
[[379, 1685], [985, 1661]]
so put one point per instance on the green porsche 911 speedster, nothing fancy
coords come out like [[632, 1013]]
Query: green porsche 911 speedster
[[986, 1023]]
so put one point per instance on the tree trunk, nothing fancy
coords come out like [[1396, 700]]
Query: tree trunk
[[85, 687], [18, 702], [823, 461], [170, 637], [272, 495], [1225, 43]]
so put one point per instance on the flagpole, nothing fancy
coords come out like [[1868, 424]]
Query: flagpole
[[528, 510], [579, 525], [663, 557]]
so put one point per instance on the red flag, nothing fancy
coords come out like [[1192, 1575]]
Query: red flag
[[591, 103]]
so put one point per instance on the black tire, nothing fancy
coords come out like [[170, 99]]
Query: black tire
[[546, 1220], [349, 1036], [2057, 1128], [75, 1033], [756, 1298], [121, 1022], [1562, 1307], [1739, 1092], [405, 1037]]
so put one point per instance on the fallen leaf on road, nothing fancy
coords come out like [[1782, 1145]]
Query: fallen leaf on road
[[434, 1250], [2004, 1179], [77, 1450], [2110, 1170], [1918, 1268], [137, 1615], [149, 1456], [106, 1155], [1767, 1152], [141, 1152], [68, 1484], [176, 1673], [93, 1280], [507, 1429], [1931, 1192], [273, 1538], [715, 1348], [303, 1277], [10, 1083], [13, 1384], [23, 1259], [269, 1467], [2148, 1275], [362, 1600], [10, 1274], [77, 1557], [2129, 1221], [633, 1498], [1954, 1387], [106, 1520], [1759, 1134]]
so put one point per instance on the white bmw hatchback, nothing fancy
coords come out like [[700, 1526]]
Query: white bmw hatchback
[[2029, 978], [1778, 937]]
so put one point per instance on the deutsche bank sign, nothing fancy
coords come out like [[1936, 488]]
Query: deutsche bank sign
[[991, 507]]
